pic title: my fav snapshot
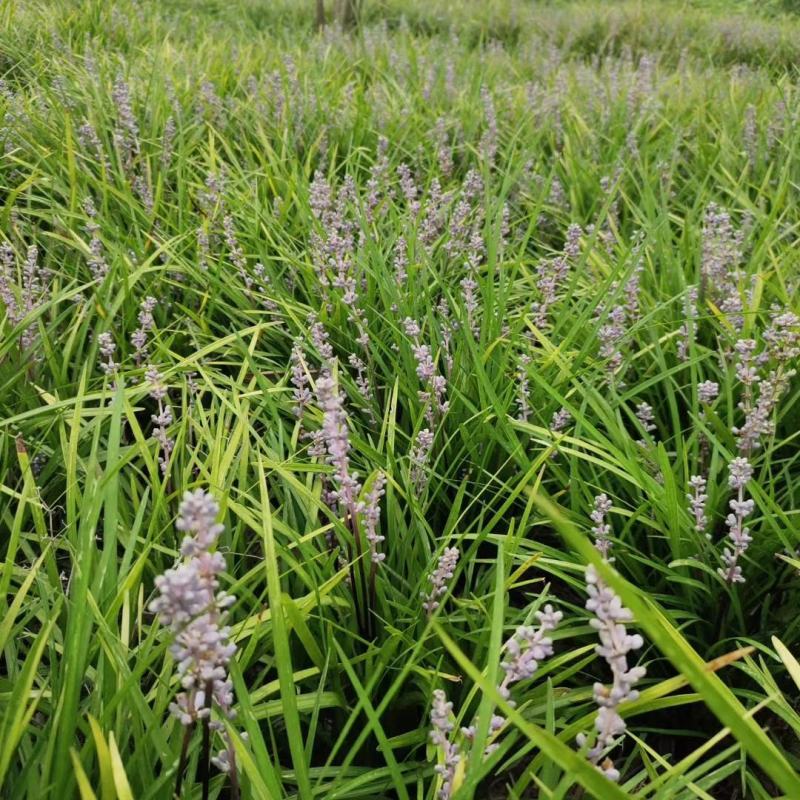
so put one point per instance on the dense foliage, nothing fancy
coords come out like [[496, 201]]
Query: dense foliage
[[405, 411]]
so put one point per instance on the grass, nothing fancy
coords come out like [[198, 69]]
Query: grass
[[628, 120]]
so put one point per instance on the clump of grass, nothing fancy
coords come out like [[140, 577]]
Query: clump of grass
[[403, 300]]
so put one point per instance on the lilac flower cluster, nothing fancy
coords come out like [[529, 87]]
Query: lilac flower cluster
[[21, 299], [377, 181], [525, 651], [126, 132], [168, 142], [89, 140], [750, 135], [469, 287], [143, 191], [447, 328], [758, 416], [697, 501], [740, 472], [146, 324], [707, 392], [688, 330], [263, 284], [191, 604], [203, 248], [461, 231], [320, 340], [235, 252], [610, 619], [409, 189], [613, 322], [758, 422], [400, 262], [777, 125], [633, 284], [444, 152], [98, 265], [335, 439], [163, 419], [440, 578], [210, 105], [601, 529], [434, 218], [527, 648], [721, 259], [107, 348], [606, 230], [557, 195], [759, 398], [465, 240], [15, 119], [432, 396], [524, 410], [610, 335], [782, 337], [300, 380], [419, 457], [441, 711], [560, 420], [552, 275], [333, 248], [212, 198], [372, 515], [645, 415], [363, 383]]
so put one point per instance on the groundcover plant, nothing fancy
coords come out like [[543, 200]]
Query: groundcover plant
[[399, 403]]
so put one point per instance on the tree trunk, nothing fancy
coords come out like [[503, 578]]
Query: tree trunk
[[349, 13], [320, 16]]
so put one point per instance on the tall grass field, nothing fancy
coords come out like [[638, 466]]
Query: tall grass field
[[398, 400]]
